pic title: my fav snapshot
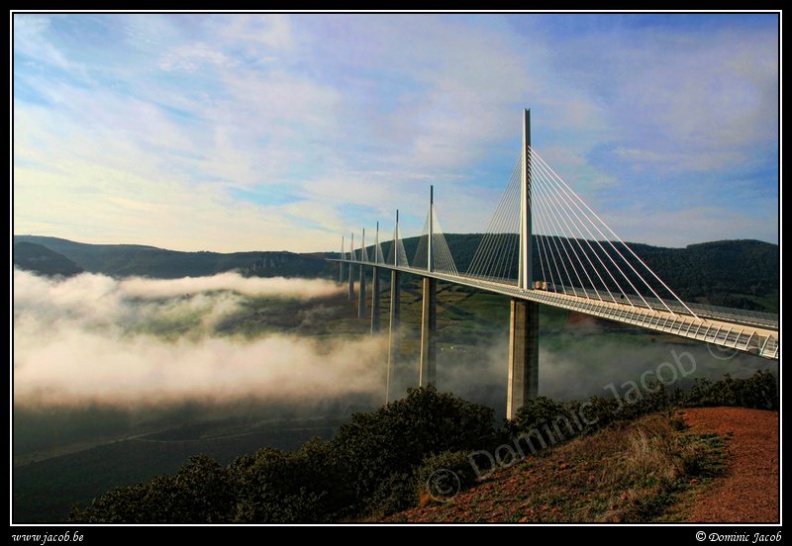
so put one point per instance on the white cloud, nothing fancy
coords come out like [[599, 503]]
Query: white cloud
[[192, 57], [271, 30]]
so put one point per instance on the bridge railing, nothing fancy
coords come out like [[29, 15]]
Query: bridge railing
[[742, 337], [755, 318], [738, 337]]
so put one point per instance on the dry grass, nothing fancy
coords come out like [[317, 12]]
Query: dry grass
[[631, 473]]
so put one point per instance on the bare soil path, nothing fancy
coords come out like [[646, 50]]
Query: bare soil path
[[749, 490]]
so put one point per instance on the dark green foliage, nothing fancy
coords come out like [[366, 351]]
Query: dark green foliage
[[202, 491], [396, 438], [396, 492], [42, 260], [549, 422], [445, 474], [310, 485], [277, 486], [536, 413], [758, 391]]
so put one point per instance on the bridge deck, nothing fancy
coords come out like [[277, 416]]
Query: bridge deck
[[741, 334]]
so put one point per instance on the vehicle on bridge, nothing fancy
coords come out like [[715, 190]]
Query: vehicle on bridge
[[544, 285]]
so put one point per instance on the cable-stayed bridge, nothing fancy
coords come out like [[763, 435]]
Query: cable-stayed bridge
[[544, 245]]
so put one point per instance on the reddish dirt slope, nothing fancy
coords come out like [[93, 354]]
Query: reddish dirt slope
[[749, 491]]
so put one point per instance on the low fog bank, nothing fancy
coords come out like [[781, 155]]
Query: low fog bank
[[129, 349], [150, 350], [609, 368], [580, 363]]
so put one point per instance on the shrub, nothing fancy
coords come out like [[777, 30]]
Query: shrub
[[444, 475], [201, 491], [395, 493], [759, 391], [397, 438], [275, 486]]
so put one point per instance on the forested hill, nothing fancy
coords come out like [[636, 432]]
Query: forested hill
[[40, 259], [735, 273], [149, 261]]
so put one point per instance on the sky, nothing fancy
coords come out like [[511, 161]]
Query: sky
[[275, 131]]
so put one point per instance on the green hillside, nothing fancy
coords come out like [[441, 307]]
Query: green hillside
[[42, 260], [149, 261]]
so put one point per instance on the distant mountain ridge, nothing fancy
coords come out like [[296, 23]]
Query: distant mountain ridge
[[733, 273], [40, 259], [147, 261]]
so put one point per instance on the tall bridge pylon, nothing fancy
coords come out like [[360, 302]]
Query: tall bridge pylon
[[524, 320]]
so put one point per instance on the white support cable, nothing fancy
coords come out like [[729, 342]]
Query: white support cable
[[558, 241], [397, 256], [488, 258], [554, 220], [625, 261], [444, 260], [551, 239], [565, 185], [547, 240], [574, 202], [539, 250], [545, 271], [577, 240], [587, 240], [502, 238], [421, 251]]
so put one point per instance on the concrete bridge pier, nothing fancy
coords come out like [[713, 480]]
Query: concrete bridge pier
[[341, 264], [523, 355], [394, 330], [362, 293], [428, 364], [351, 290], [375, 300]]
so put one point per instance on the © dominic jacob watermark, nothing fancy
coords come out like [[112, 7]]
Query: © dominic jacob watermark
[[721, 353], [753, 538], [444, 484]]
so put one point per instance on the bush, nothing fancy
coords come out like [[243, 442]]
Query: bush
[[201, 491], [759, 391], [397, 438], [276, 486], [397, 492], [442, 476]]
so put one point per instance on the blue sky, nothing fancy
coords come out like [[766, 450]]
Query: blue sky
[[233, 131]]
